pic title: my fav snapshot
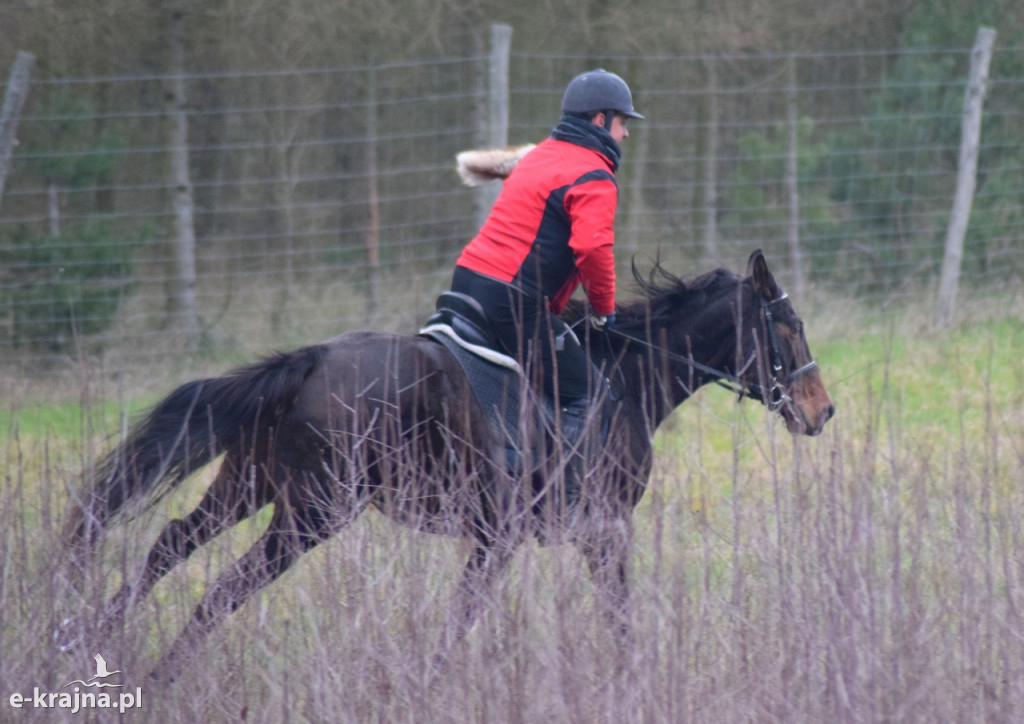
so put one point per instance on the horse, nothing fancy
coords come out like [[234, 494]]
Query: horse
[[389, 421]]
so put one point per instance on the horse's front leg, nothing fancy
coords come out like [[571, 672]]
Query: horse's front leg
[[488, 560], [609, 554]]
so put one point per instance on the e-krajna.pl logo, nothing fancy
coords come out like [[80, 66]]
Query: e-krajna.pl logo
[[73, 698]]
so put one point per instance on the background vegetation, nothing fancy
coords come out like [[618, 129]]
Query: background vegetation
[[320, 140]]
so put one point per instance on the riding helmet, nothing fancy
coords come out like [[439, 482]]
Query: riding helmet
[[596, 91]]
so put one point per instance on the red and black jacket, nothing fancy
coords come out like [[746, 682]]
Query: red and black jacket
[[552, 226]]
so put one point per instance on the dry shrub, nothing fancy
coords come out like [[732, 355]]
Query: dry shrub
[[872, 574]]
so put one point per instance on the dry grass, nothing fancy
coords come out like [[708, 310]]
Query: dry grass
[[872, 574]]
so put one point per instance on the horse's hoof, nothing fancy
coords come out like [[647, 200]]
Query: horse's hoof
[[164, 673], [160, 678], [67, 636], [169, 668]]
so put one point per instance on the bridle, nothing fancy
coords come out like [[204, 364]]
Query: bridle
[[778, 391], [775, 395]]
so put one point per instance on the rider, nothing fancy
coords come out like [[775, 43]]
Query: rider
[[551, 229]]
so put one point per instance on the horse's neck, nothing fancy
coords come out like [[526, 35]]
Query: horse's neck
[[659, 383]]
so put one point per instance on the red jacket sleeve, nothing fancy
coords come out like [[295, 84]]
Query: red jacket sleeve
[[591, 207]]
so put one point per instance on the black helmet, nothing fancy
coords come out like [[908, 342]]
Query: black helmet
[[596, 91]]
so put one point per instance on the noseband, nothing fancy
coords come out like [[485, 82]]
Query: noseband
[[775, 395]]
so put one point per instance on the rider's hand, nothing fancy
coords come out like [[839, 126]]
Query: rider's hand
[[601, 322]]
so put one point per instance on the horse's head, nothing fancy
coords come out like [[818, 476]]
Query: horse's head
[[785, 376], [684, 334]]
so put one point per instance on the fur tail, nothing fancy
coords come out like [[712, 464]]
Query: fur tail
[[482, 165], [184, 432]]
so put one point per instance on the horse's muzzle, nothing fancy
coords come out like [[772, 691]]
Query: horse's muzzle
[[810, 408]]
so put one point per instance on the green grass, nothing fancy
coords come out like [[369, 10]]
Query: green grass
[[59, 420], [870, 574]]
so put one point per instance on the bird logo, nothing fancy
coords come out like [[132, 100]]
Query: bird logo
[[101, 673]]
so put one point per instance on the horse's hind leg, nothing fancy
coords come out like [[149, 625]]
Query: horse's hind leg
[[292, 532], [235, 495]]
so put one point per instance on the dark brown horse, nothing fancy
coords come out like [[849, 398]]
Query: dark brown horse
[[390, 421]]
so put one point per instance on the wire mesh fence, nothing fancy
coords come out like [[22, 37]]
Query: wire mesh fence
[[325, 199]]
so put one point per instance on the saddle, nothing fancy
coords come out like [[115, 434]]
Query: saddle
[[461, 326]]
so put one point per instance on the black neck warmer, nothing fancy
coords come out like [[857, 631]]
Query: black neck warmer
[[584, 133]]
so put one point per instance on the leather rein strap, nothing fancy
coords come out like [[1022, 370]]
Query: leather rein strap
[[775, 395]]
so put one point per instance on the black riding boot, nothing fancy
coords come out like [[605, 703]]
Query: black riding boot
[[573, 427]]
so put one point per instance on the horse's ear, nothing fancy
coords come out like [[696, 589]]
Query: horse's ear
[[764, 282]]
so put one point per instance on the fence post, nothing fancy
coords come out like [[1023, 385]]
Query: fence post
[[970, 136], [14, 98], [372, 239], [183, 308], [792, 173], [496, 121], [710, 180]]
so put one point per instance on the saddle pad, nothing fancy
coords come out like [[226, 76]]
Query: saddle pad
[[494, 377], [438, 330]]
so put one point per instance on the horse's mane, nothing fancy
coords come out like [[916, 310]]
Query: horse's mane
[[663, 297]]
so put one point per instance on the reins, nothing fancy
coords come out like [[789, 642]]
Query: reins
[[773, 397]]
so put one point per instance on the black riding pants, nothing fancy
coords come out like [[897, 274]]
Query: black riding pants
[[547, 348]]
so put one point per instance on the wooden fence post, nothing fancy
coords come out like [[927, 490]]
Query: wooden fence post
[[792, 178], [183, 308], [496, 121], [970, 136], [372, 237], [14, 99], [709, 200]]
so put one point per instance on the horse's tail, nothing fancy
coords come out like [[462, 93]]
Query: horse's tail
[[183, 432]]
